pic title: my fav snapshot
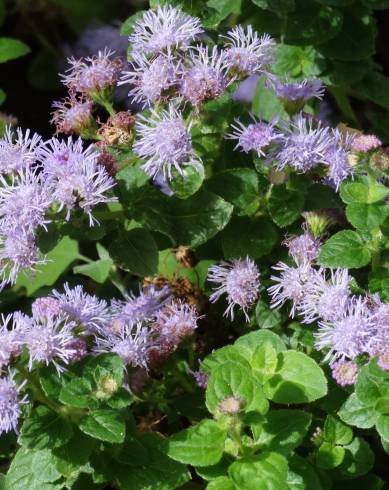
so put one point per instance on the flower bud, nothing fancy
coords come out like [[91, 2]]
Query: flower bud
[[231, 405]]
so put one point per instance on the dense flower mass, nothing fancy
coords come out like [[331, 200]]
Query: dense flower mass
[[72, 115], [165, 143], [18, 151], [239, 279], [10, 403], [164, 29]]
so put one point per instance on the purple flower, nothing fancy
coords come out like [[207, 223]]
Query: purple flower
[[246, 52], [239, 279], [164, 29], [142, 307], [18, 152], [303, 248], [365, 143], [10, 340], [10, 403], [346, 337], [165, 142], [176, 321], [303, 146], [206, 78], [86, 310], [327, 299], [292, 284], [130, 341], [150, 80], [337, 158], [44, 307], [383, 361], [76, 176], [78, 350], [201, 378], [256, 136], [93, 74], [49, 341], [344, 372], [24, 201], [378, 342], [72, 115], [297, 91], [18, 253]]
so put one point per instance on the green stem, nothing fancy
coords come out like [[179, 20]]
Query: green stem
[[344, 105], [84, 259], [36, 389]]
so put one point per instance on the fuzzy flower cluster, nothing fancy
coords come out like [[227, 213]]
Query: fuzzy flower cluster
[[348, 325], [302, 145], [68, 325], [37, 177], [239, 280]]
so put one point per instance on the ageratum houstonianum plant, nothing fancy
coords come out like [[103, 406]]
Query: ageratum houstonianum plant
[[194, 293]]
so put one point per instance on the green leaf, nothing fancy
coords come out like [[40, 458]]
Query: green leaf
[[104, 365], [3, 96], [266, 104], [248, 343], [285, 206], [329, 456], [128, 25], [354, 412], [45, 429], [374, 87], [298, 379], [189, 222], [32, 470], [297, 61], [267, 471], [282, 430], [225, 7], [239, 186], [78, 392], [264, 361], [11, 49], [277, 6], [188, 183], [222, 355], [370, 385], [301, 475], [382, 426], [379, 283], [356, 39], [336, 432], [267, 317], [344, 249], [366, 217], [254, 238], [217, 470], [233, 380], [98, 270], [363, 193], [200, 445], [160, 473], [72, 458], [135, 251], [58, 260], [221, 483], [358, 459], [106, 425]]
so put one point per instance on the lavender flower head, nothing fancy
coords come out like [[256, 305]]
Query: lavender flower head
[[346, 337], [303, 248], [49, 341], [365, 143], [165, 142], [76, 176], [292, 284], [344, 372], [130, 341], [246, 52], [86, 310], [11, 339], [297, 91], [18, 152], [142, 307], [337, 158], [378, 342], [327, 299], [18, 253], [303, 146], [383, 361], [24, 201], [72, 115], [93, 74], [10, 403], [44, 307], [206, 79], [163, 30], [257, 136], [176, 321], [239, 279], [150, 80]]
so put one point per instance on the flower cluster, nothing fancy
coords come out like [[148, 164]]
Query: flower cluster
[[349, 326], [37, 177]]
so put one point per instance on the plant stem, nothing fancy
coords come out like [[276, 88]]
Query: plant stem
[[36, 389]]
